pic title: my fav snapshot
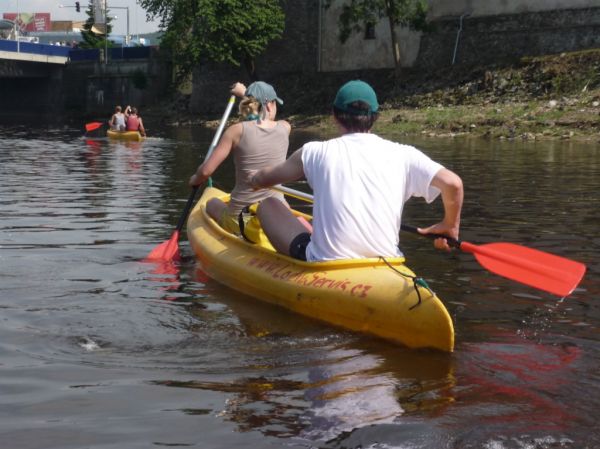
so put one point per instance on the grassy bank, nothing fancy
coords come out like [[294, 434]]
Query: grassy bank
[[528, 120]]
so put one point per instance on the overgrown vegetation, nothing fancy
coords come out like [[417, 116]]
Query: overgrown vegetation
[[139, 79], [230, 31], [91, 36], [358, 16]]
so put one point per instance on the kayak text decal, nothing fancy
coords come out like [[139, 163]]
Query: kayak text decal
[[321, 279]]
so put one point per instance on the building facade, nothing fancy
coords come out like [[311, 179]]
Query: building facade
[[465, 31]]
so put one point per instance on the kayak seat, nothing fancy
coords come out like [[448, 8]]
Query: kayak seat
[[252, 231]]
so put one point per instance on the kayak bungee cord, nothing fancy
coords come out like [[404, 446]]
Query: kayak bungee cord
[[418, 281]]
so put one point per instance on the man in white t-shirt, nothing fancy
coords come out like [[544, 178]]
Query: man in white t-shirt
[[360, 183]]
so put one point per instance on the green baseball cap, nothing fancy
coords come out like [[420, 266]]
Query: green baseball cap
[[353, 91], [263, 92]]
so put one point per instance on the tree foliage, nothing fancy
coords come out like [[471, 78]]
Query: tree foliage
[[356, 15], [230, 31], [91, 39]]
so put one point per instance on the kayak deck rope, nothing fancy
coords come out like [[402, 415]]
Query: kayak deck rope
[[417, 282]]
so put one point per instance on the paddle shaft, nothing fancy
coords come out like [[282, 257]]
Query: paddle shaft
[[187, 209], [451, 241], [213, 144], [294, 193], [309, 198], [217, 136]]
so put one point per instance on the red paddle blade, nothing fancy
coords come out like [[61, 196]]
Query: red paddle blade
[[168, 250], [92, 126], [532, 267]]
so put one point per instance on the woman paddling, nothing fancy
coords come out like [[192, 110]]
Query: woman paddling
[[134, 122], [258, 141]]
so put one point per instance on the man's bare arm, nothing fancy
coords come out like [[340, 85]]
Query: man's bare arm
[[288, 171]]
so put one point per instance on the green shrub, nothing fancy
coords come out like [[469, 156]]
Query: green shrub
[[139, 79]]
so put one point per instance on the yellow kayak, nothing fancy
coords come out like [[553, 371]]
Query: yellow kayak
[[125, 135], [364, 295]]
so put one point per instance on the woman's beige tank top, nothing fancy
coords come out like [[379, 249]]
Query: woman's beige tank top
[[258, 148]]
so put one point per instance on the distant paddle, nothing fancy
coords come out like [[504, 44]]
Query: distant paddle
[[92, 126], [538, 269], [169, 250]]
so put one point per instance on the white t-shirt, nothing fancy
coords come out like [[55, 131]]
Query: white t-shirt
[[119, 123], [361, 183]]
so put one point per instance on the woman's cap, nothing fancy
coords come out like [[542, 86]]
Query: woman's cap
[[263, 92], [354, 91]]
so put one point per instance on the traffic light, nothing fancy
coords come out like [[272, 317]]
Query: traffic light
[[77, 6]]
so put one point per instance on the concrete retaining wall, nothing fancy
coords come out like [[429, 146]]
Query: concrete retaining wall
[[499, 39]]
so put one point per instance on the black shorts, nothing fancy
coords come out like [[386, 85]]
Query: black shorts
[[298, 246]]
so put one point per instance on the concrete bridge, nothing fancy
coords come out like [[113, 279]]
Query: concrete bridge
[[30, 52], [54, 83]]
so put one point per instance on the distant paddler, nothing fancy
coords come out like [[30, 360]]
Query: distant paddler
[[118, 120], [134, 122]]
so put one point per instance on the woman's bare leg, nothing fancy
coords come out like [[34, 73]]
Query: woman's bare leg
[[279, 224], [215, 208]]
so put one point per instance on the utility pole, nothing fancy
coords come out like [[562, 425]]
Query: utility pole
[[18, 28], [127, 9], [105, 32]]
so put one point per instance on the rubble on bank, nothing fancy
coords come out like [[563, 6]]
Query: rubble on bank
[[545, 97]]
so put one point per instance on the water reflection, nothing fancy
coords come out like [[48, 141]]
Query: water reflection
[[166, 276], [328, 389], [326, 386], [347, 390], [520, 377]]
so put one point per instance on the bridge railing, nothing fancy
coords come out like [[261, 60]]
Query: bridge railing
[[76, 54], [38, 49], [88, 54], [114, 53]]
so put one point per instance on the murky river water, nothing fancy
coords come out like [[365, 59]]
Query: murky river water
[[99, 350]]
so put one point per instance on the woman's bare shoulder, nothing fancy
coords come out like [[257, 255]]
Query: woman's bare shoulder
[[286, 124]]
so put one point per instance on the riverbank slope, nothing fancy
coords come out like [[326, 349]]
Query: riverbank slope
[[548, 97]]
